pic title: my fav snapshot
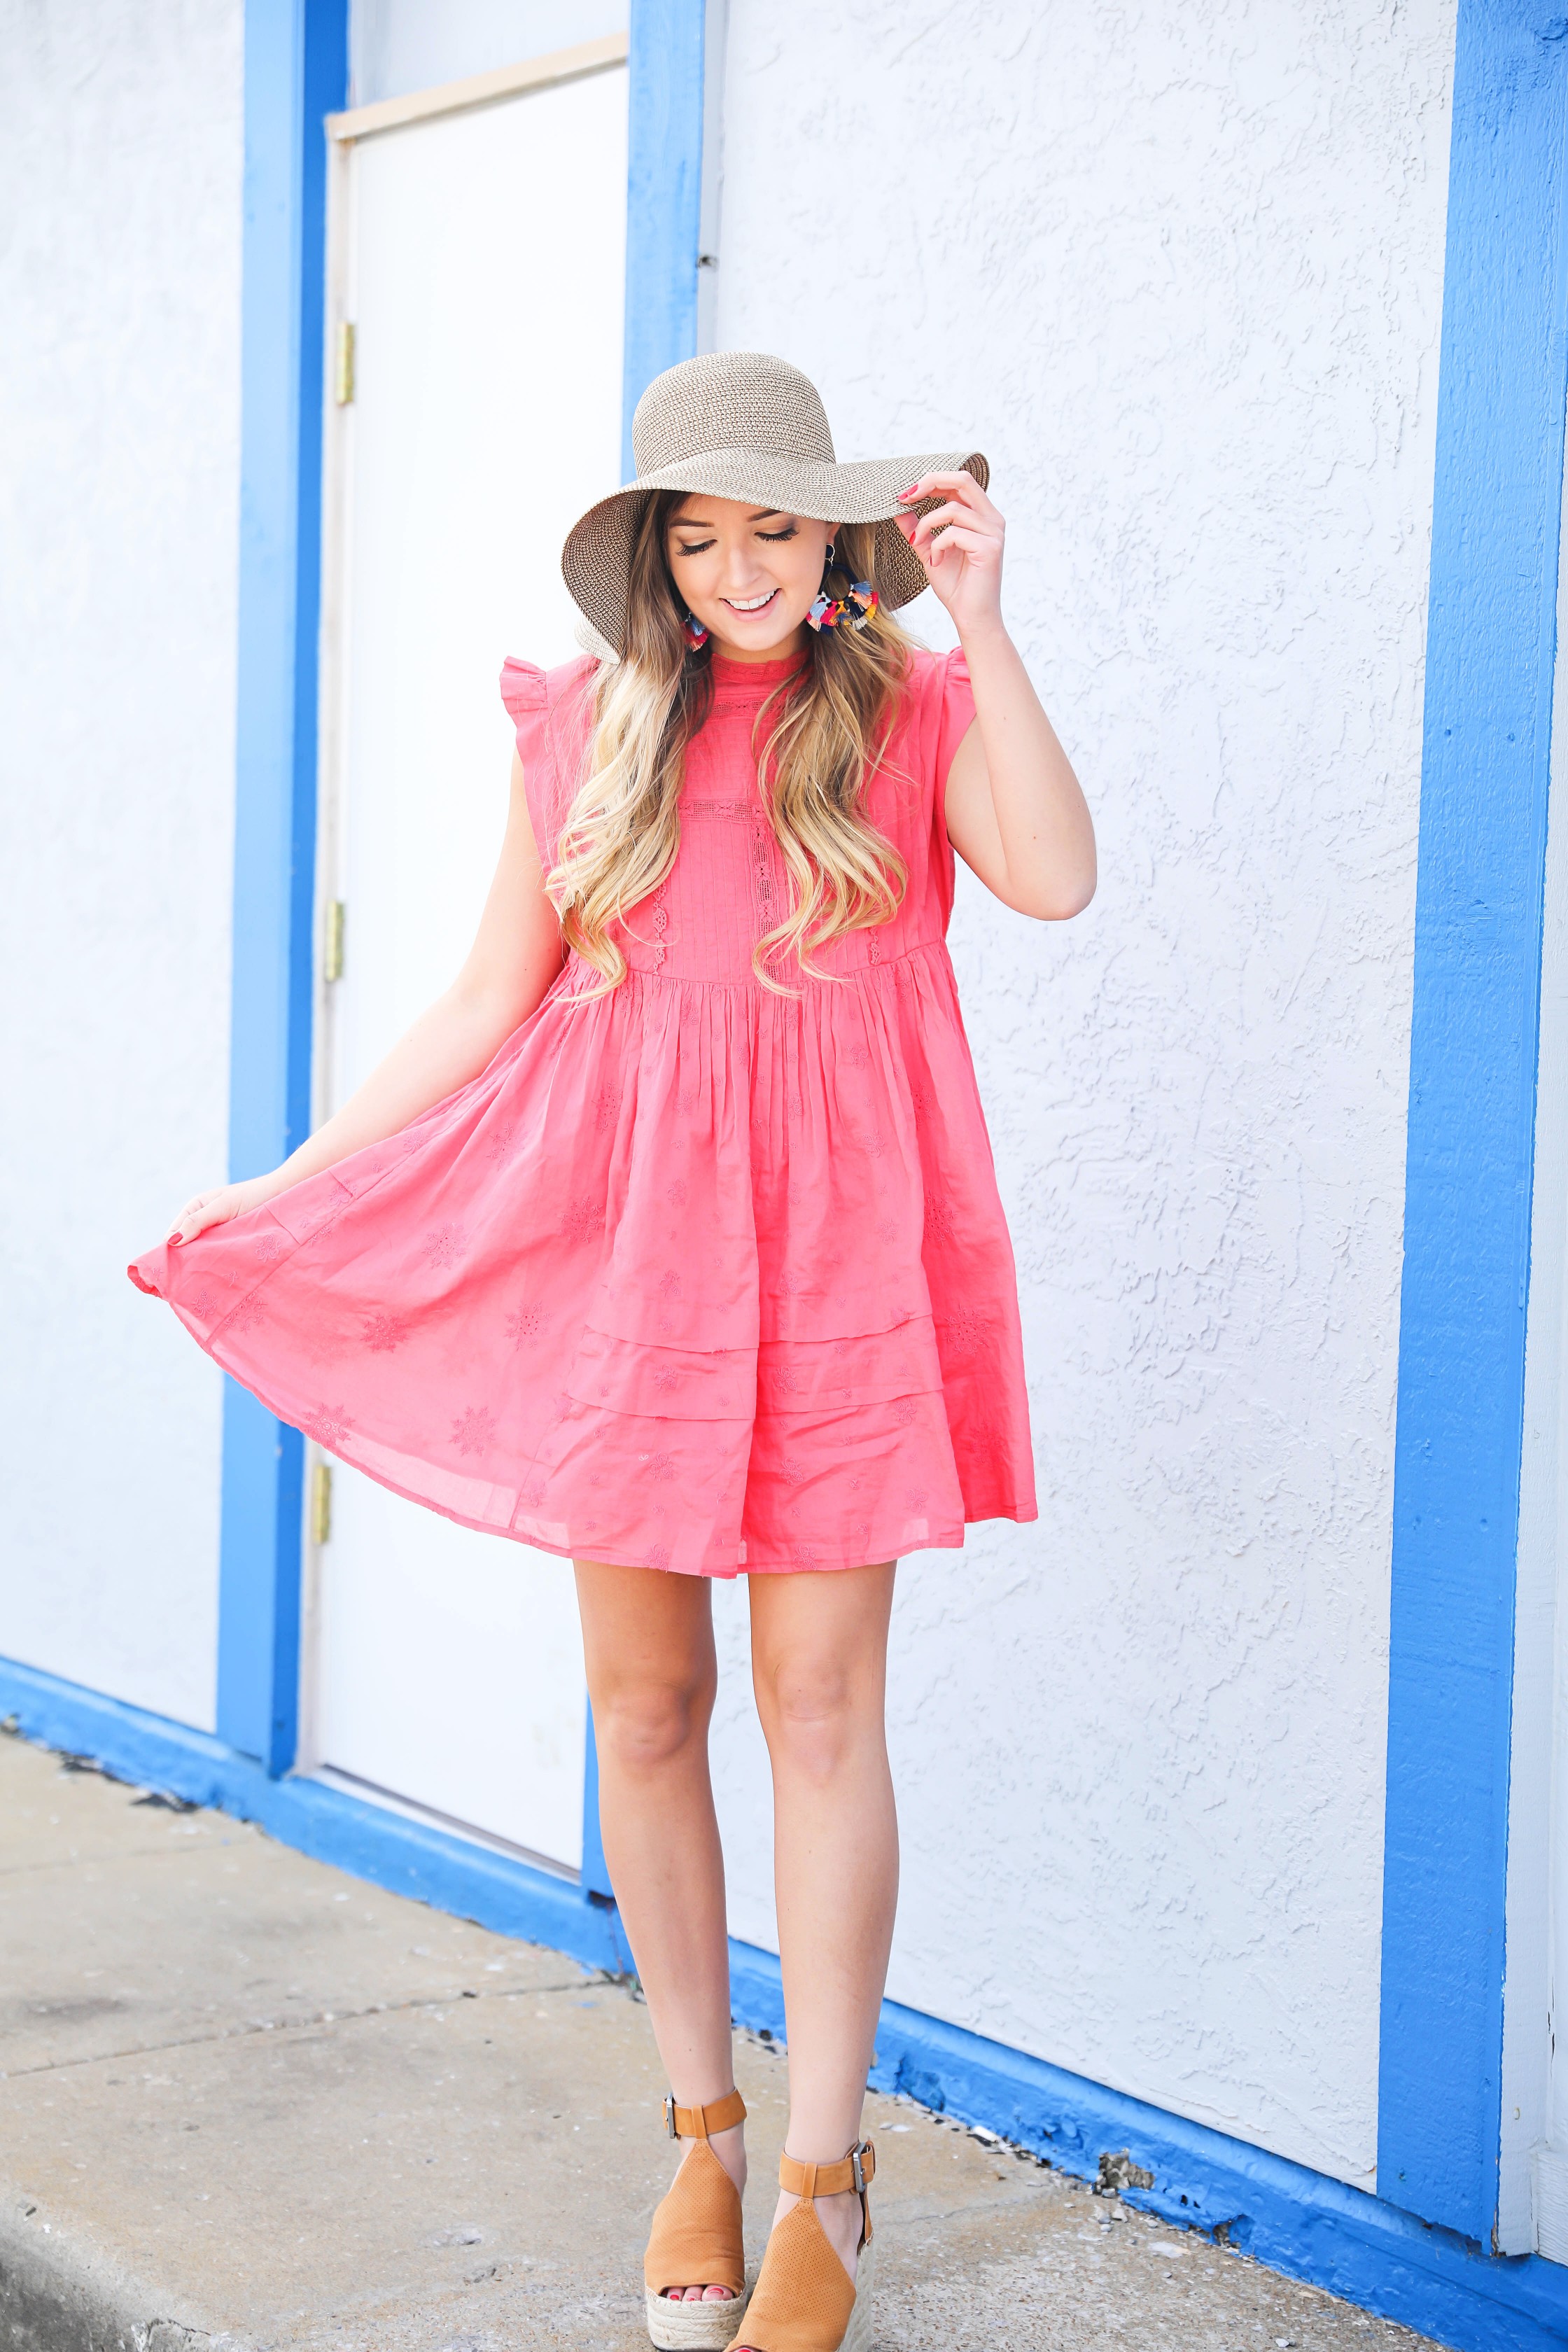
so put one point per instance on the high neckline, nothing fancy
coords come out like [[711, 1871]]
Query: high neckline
[[764, 676]]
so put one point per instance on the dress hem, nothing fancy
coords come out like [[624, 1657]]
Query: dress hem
[[950, 1539]]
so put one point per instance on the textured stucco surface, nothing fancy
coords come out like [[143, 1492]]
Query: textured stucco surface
[[1179, 272], [120, 147]]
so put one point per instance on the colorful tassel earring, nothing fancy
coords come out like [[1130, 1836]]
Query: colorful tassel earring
[[696, 635], [857, 607]]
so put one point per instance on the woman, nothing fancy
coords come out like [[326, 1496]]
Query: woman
[[669, 1239]]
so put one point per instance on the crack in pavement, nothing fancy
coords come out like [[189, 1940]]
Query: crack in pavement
[[296, 2025], [109, 1861]]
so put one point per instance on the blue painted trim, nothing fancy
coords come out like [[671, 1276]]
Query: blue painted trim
[[296, 71], [259, 1580], [1297, 2221], [664, 195], [406, 1857], [1491, 648]]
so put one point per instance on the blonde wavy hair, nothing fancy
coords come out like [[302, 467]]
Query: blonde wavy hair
[[818, 737]]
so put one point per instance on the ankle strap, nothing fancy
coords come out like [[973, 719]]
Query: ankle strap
[[856, 2171], [698, 2123]]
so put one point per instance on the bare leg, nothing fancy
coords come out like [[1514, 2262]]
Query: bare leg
[[819, 1652], [648, 1641]]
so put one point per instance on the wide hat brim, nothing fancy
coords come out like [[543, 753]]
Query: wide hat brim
[[597, 559]]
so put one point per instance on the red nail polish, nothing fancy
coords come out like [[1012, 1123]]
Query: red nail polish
[[174, 1239], [911, 491]]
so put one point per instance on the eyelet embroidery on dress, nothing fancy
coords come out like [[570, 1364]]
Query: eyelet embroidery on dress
[[473, 1430], [763, 886], [660, 921], [940, 1218]]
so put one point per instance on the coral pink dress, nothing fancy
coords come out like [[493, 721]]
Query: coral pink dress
[[693, 1276]]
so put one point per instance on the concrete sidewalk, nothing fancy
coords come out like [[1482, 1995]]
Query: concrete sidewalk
[[248, 2102]]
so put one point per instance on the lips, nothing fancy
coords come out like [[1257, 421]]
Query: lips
[[748, 611]]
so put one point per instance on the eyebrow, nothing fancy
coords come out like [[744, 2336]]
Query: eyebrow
[[694, 522]]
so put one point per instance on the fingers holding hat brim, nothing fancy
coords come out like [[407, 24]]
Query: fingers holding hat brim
[[597, 558]]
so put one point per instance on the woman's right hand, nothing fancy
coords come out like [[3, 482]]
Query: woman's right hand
[[216, 1208]]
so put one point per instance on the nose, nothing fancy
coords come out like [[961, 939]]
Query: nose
[[743, 573]]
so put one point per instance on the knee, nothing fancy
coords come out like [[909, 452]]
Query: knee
[[641, 1723], [817, 1716]]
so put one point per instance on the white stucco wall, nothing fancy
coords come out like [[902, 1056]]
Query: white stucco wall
[[1179, 272], [121, 144]]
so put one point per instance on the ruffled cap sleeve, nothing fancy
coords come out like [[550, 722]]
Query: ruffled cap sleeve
[[549, 711]]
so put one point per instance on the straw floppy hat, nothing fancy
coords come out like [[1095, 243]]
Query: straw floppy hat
[[739, 424]]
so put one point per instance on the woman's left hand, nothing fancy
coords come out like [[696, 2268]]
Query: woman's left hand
[[959, 546]]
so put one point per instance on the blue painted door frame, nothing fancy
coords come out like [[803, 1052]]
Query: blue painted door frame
[[295, 72], [1491, 641]]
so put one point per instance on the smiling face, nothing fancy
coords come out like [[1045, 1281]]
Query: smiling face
[[748, 573]]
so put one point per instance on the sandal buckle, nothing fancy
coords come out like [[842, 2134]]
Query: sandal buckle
[[856, 2172], [670, 2115]]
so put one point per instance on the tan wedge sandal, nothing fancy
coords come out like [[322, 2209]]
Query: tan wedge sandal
[[697, 2238], [805, 2301]]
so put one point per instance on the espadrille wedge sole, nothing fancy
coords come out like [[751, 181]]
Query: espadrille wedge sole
[[697, 2239], [694, 2327], [857, 2335]]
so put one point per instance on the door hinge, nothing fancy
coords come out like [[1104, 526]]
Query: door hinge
[[343, 363], [332, 945], [320, 1502]]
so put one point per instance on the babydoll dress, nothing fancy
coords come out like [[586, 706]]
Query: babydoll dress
[[694, 1276]]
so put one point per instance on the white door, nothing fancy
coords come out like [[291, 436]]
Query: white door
[[480, 257]]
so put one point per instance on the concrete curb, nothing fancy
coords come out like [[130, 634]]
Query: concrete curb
[[56, 2297]]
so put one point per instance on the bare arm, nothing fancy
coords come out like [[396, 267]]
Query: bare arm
[[515, 956], [1015, 811]]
